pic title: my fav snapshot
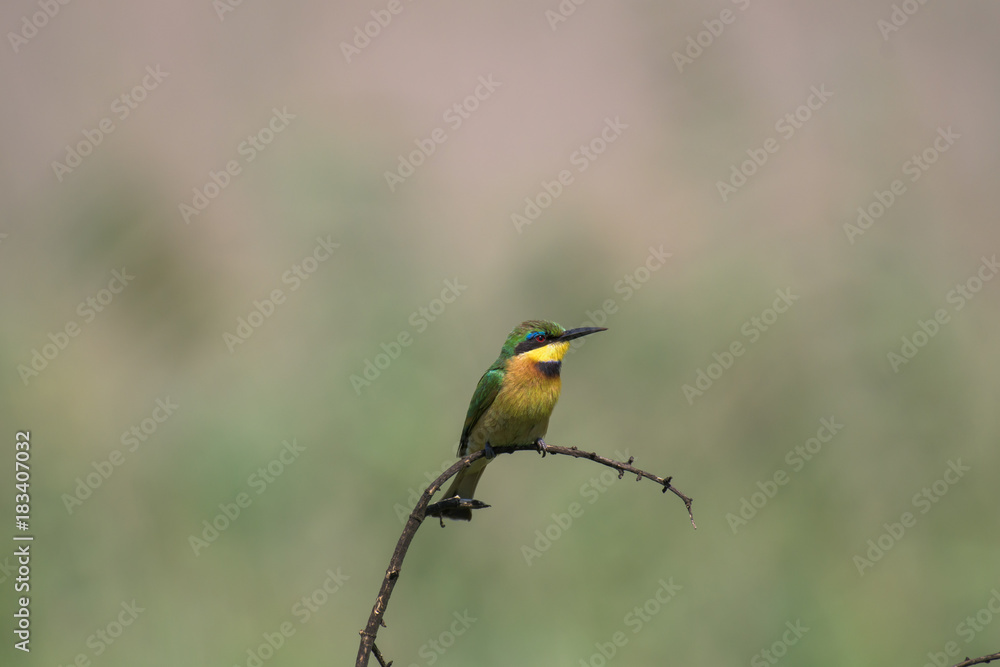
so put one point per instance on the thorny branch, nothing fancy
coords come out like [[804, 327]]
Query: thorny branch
[[423, 509], [979, 661]]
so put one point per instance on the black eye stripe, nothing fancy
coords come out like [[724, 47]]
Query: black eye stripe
[[532, 341]]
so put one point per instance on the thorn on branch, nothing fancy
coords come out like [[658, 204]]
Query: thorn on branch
[[378, 656], [986, 659]]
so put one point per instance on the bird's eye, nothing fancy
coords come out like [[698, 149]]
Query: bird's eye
[[540, 337]]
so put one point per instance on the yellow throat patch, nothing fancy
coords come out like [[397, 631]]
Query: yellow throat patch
[[551, 352]]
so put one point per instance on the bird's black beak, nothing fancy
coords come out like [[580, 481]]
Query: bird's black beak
[[578, 333]]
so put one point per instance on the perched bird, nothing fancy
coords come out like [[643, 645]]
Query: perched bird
[[514, 398]]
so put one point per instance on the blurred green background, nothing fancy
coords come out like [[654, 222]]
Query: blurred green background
[[329, 513]]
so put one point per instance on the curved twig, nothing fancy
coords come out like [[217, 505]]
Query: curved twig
[[979, 661], [422, 510]]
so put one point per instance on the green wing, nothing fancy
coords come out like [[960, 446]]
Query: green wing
[[482, 399]]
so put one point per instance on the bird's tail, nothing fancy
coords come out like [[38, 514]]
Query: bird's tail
[[464, 486]]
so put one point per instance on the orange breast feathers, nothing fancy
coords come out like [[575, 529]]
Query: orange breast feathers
[[528, 393]]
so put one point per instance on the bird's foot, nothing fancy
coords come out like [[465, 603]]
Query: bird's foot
[[541, 447], [490, 454]]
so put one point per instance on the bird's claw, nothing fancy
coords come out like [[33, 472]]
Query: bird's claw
[[489, 453], [541, 447]]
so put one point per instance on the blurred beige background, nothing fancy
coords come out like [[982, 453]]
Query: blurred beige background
[[236, 325]]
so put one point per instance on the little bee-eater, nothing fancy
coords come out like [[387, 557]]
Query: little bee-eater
[[514, 399]]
